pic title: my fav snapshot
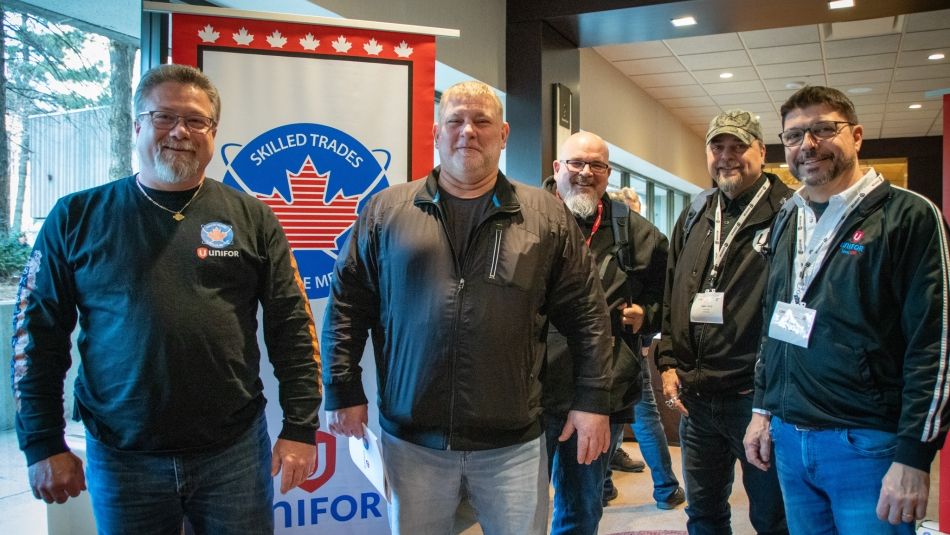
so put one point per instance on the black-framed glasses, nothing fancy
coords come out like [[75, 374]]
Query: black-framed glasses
[[576, 166], [165, 120], [821, 131]]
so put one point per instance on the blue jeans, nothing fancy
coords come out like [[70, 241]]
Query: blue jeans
[[578, 488], [648, 429], [711, 441], [506, 486], [831, 478], [227, 491]]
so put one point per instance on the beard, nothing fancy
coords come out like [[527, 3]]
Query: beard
[[581, 204], [839, 167], [729, 185], [174, 168]]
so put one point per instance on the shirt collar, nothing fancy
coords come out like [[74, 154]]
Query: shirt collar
[[839, 199]]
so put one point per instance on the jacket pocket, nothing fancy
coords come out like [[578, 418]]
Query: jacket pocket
[[514, 257]]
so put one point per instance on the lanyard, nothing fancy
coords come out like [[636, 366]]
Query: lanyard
[[597, 221], [807, 267], [719, 251]]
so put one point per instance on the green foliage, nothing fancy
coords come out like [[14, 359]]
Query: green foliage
[[13, 256]]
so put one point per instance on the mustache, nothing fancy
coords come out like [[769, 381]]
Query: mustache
[[180, 145]]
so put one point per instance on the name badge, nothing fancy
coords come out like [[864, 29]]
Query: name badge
[[706, 308], [792, 323]]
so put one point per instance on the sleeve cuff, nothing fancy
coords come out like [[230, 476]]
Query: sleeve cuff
[[341, 395], [299, 433], [44, 449], [917, 454], [591, 400], [763, 412]]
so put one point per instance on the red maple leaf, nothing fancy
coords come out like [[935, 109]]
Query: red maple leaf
[[308, 221]]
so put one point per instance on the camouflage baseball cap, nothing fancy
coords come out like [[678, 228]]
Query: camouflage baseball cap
[[739, 123]]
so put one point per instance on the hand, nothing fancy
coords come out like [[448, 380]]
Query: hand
[[758, 442], [297, 460], [904, 492], [671, 390], [348, 422], [593, 434], [632, 316], [57, 478]]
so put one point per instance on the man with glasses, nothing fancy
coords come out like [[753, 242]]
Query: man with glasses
[[630, 256], [164, 271], [852, 370], [711, 323]]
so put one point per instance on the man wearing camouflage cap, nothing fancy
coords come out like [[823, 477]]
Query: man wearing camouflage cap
[[712, 320]]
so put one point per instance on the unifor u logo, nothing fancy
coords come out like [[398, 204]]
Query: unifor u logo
[[316, 179], [326, 462]]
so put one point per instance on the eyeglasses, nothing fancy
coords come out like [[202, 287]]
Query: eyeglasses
[[821, 131], [163, 120], [576, 166]]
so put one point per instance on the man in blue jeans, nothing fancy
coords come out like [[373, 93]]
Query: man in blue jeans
[[169, 388], [852, 370], [711, 323], [630, 254], [651, 438]]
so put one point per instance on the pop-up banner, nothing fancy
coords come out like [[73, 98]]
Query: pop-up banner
[[315, 119]]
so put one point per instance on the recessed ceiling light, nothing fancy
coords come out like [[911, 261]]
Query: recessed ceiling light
[[726, 75], [915, 106], [859, 90], [935, 57], [758, 117], [783, 165], [840, 4], [683, 21], [794, 85]]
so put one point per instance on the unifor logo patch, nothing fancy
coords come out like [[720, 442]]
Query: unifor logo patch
[[217, 235], [315, 178], [853, 247]]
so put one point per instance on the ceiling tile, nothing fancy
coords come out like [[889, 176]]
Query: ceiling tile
[[861, 63], [648, 49], [925, 71], [743, 99], [703, 113], [920, 85], [778, 84], [734, 87], [716, 60], [649, 66], [739, 74], [687, 102], [908, 123], [926, 40], [869, 98], [780, 36], [862, 47], [911, 58], [860, 77], [907, 97], [785, 54], [784, 70], [905, 114], [930, 20], [867, 118], [876, 108], [754, 107], [705, 43], [656, 80], [676, 91]]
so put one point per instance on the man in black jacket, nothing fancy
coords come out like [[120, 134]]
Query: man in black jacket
[[853, 365], [456, 277], [711, 323], [630, 256]]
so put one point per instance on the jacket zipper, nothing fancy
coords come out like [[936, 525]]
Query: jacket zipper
[[702, 326], [496, 253]]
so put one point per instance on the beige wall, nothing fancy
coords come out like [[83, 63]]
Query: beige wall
[[613, 107], [479, 52]]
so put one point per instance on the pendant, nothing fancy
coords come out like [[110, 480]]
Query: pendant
[[178, 216]]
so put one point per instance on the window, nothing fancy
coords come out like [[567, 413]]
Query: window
[[661, 204]]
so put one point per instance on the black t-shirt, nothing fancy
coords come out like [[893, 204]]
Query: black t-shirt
[[462, 217]]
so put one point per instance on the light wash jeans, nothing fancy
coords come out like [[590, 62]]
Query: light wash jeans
[[507, 487], [831, 478], [222, 492]]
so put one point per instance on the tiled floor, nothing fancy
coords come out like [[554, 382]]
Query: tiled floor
[[21, 514]]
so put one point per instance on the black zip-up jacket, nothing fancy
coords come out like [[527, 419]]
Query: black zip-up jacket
[[877, 355], [642, 284], [723, 360], [459, 342]]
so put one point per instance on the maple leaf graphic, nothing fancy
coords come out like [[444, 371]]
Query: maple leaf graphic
[[341, 45], [208, 35], [242, 37], [309, 43], [372, 47], [216, 234], [276, 40], [403, 50], [309, 221]]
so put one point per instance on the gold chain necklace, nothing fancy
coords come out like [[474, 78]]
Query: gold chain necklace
[[177, 215]]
